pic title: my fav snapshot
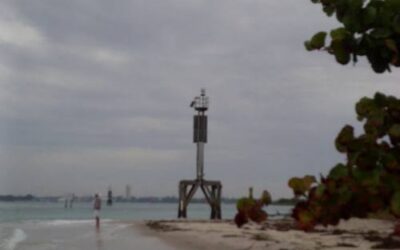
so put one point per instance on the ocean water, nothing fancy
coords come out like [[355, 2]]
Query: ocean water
[[47, 226]]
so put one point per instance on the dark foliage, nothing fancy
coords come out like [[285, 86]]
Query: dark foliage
[[369, 28], [368, 182], [250, 209]]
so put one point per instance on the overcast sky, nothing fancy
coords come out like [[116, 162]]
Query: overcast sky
[[96, 93]]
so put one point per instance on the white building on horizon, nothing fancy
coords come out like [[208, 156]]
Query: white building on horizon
[[128, 192]]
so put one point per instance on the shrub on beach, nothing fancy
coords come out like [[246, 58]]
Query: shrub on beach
[[250, 209], [369, 182]]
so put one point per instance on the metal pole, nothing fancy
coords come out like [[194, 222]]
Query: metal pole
[[200, 160], [200, 150]]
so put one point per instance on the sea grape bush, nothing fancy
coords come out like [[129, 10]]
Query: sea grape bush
[[368, 182], [250, 209], [369, 28]]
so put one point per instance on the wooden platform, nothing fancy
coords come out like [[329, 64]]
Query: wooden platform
[[212, 192]]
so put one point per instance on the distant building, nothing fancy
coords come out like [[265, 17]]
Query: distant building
[[128, 192]]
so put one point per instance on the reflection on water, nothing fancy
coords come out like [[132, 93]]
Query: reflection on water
[[99, 240], [67, 236]]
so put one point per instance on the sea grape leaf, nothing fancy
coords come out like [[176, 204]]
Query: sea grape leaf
[[244, 204], [376, 118], [341, 51], [301, 185], [390, 162], [339, 34], [317, 41], [396, 23], [394, 131], [338, 172], [381, 33], [375, 203], [295, 183], [329, 10], [369, 15], [257, 215], [367, 160], [345, 136], [395, 204], [364, 107], [241, 219], [306, 220], [367, 179], [319, 191]]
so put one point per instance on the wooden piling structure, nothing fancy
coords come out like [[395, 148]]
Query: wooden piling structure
[[212, 191]]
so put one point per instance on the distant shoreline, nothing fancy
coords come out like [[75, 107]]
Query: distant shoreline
[[118, 199]]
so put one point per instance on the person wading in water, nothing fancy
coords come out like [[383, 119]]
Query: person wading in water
[[96, 209]]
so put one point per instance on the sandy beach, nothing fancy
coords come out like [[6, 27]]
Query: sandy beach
[[141, 234], [274, 234]]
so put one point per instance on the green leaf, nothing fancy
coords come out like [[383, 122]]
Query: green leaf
[[329, 10], [241, 219], [340, 51], [345, 136], [355, 5], [365, 106], [391, 44], [307, 45], [244, 204], [339, 34], [366, 179], [390, 162], [380, 99], [319, 191], [306, 220], [318, 40], [396, 23], [369, 15], [338, 172], [301, 185], [351, 21], [379, 33], [391, 181], [257, 215], [375, 124], [395, 204], [367, 160], [394, 131], [393, 4]]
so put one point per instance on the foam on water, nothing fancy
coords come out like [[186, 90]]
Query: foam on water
[[69, 222], [17, 237], [65, 222]]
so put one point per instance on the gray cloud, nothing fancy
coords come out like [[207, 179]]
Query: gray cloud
[[95, 93]]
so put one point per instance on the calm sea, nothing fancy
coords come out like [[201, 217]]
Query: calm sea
[[45, 226]]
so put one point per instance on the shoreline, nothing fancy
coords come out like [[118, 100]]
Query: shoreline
[[274, 234]]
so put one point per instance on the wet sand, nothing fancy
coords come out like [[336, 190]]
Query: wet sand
[[77, 235]]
